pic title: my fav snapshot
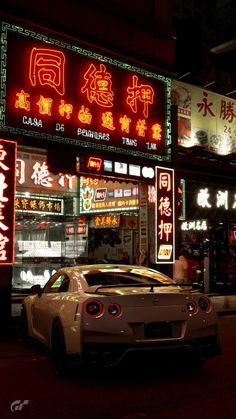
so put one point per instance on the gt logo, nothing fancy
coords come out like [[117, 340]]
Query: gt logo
[[18, 405]]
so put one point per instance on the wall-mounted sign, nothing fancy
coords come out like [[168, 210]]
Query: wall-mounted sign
[[165, 230], [106, 221], [208, 201], [143, 220], [205, 119], [195, 225], [100, 194], [7, 198], [32, 175], [39, 204], [208, 197], [69, 94], [99, 165]]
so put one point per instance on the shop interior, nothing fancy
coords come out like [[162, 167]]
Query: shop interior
[[45, 243], [212, 256]]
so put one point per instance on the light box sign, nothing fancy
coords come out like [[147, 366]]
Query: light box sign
[[32, 175], [165, 232], [205, 119], [99, 165], [106, 221], [7, 199], [72, 95], [102, 194], [39, 204]]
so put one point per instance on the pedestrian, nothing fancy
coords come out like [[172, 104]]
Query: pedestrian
[[180, 274]]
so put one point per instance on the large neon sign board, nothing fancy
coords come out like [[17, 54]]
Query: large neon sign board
[[7, 201], [65, 93]]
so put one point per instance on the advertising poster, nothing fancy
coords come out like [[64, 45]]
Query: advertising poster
[[205, 119]]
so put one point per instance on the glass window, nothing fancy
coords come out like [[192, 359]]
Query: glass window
[[58, 283]]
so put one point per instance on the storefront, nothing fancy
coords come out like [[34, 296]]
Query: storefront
[[66, 219], [90, 131], [207, 234], [205, 168]]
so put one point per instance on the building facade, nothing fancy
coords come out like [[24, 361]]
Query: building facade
[[89, 117], [205, 171]]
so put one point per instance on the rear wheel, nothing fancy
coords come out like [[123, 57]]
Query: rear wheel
[[59, 355]]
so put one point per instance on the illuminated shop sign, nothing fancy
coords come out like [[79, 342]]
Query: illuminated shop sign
[[32, 174], [72, 95], [143, 221], [205, 119], [80, 229], [7, 197], [100, 165], [106, 221], [211, 198], [164, 215], [99, 195], [40, 204], [196, 225]]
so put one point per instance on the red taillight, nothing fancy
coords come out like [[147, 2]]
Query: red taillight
[[204, 304], [93, 308], [114, 310], [192, 306]]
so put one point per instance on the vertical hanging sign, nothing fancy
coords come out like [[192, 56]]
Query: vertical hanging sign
[[143, 220], [164, 215], [7, 201]]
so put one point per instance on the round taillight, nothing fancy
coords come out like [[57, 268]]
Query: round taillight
[[93, 308], [204, 303], [192, 306], [114, 310]]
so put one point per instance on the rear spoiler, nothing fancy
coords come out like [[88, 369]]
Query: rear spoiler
[[193, 286]]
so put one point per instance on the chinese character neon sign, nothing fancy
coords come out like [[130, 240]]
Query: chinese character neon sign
[[164, 215], [46, 67], [106, 221], [50, 90], [7, 199], [139, 93], [98, 86], [39, 205]]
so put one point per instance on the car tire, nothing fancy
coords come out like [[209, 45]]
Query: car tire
[[59, 356], [24, 328]]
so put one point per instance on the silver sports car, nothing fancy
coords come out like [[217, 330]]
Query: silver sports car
[[108, 315]]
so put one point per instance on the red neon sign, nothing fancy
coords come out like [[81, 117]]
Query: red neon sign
[[164, 215], [140, 93], [7, 201], [46, 67], [53, 91], [94, 163], [98, 86]]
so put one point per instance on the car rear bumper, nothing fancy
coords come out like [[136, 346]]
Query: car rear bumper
[[115, 354]]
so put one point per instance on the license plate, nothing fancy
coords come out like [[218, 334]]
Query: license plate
[[156, 330]]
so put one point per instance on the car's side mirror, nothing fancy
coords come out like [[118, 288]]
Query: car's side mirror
[[36, 289]]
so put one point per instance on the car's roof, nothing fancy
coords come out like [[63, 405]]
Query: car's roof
[[108, 266], [118, 268]]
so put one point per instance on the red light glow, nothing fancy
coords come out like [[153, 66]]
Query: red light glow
[[7, 201], [47, 68]]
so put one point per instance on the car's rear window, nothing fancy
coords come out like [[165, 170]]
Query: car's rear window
[[132, 276]]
